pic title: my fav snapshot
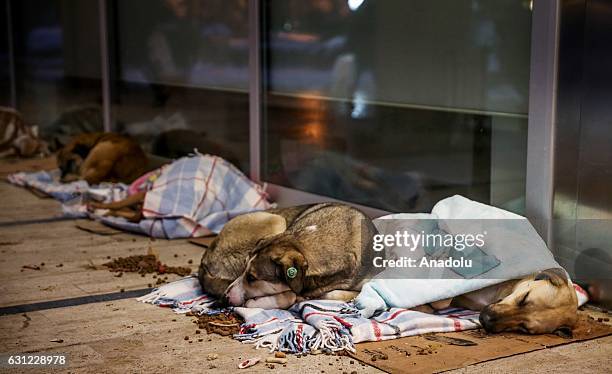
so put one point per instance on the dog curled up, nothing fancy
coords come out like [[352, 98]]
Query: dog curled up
[[101, 157], [309, 252]]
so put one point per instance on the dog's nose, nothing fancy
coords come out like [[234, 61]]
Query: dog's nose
[[487, 319]]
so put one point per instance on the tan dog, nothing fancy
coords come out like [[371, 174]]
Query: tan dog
[[226, 257], [541, 303], [320, 255], [102, 157]]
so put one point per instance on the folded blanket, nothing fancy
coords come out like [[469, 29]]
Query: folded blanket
[[311, 325], [191, 197]]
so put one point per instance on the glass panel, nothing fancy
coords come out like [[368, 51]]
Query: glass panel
[[57, 64], [396, 104], [181, 71]]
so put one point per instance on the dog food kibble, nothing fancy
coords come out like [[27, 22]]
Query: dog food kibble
[[197, 331], [190, 262], [149, 285], [59, 265], [175, 255], [224, 324], [42, 264], [186, 338], [122, 290], [144, 264], [606, 319]]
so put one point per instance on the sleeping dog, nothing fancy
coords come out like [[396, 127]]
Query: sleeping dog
[[273, 259], [540, 303], [101, 157], [226, 257]]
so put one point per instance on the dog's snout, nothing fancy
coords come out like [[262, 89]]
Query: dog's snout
[[487, 319]]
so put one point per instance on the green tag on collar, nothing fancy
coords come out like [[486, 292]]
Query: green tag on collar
[[292, 272]]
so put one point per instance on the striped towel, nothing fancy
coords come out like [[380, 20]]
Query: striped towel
[[317, 325], [312, 325], [195, 196], [330, 326], [182, 296]]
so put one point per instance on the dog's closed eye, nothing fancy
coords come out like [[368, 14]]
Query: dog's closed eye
[[523, 301], [250, 278]]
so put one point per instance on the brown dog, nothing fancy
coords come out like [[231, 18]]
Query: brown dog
[[541, 303], [101, 157]]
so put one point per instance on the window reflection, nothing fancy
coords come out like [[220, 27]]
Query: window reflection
[[182, 71], [366, 101], [57, 65]]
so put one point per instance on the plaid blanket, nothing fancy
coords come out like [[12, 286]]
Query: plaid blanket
[[48, 182], [195, 196], [74, 195], [191, 197]]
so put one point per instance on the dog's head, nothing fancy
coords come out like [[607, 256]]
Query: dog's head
[[276, 267], [69, 160], [226, 257], [539, 304]]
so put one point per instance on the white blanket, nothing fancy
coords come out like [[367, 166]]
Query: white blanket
[[512, 250]]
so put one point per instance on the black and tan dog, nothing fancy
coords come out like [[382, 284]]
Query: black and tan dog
[[319, 256], [101, 157], [226, 257], [273, 259]]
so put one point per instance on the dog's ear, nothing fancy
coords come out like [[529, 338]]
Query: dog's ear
[[565, 332], [556, 277], [292, 266]]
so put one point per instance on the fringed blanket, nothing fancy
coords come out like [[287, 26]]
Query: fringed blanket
[[312, 325], [316, 324], [191, 197]]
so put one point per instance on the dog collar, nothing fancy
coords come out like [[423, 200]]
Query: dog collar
[[292, 272]]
